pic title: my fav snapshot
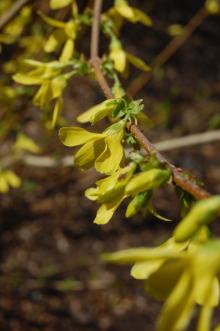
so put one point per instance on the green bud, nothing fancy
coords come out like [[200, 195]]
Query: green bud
[[137, 203]]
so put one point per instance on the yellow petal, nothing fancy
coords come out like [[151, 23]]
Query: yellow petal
[[92, 193], [141, 17], [118, 56], [67, 52], [56, 112], [97, 112], [74, 8], [138, 63], [74, 136], [142, 270], [70, 29], [43, 95], [162, 281], [212, 6], [4, 187], [58, 84], [123, 9], [57, 4], [51, 44], [26, 79], [52, 21], [105, 212], [109, 161], [177, 310], [132, 14], [86, 156], [147, 180], [12, 179], [204, 322], [206, 291], [202, 213], [26, 144]]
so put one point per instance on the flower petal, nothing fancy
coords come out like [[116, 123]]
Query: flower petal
[[74, 136], [142, 270], [109, 161], [86, 156], [106, 211], [97, 112]]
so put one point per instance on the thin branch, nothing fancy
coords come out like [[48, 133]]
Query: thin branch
[[178, 177], [68, 161], [95, 29], [168, 51], [8, 16], [191, 140]]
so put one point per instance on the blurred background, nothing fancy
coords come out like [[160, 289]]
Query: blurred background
[[51, 275]]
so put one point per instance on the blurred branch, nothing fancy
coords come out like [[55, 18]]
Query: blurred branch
[[67, 161], [9, 15], [168, 51], [191, 140]]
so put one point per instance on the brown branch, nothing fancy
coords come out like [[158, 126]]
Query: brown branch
[[95, 29], [168, 51], [7, 17], [178, 177]]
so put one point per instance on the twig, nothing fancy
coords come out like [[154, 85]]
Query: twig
[[178, 177], [168, 51], [7, 17], [95, 29], [191, 140]]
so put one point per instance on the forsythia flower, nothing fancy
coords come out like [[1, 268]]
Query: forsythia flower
[[65, 33], [121, 58], [8, 178], [131, 14], [24, 143], [52, 84], [15, 28], [98, 112], [111, 191], [103, 150], [185, 274]]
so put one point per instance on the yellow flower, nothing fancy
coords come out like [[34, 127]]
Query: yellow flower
[[98, 112], [212, 6], [111, 191], [104, 150], [121, 58], [24, 143], [183, 274], [52, 84], [65, 33], [57, 4], [131, 14], [8, 179]]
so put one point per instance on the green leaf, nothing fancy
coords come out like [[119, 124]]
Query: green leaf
[[137, 203]]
